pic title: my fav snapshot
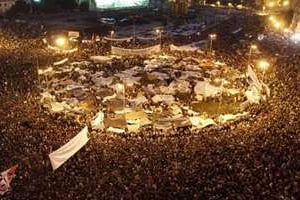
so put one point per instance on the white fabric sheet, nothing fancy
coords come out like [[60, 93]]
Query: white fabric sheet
[[65, 152], [126, 52]]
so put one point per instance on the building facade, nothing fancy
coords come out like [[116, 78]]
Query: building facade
[[5, 5]]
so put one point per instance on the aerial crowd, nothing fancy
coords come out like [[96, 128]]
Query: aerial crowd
[[250, 158]]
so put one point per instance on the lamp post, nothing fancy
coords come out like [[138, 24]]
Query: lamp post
[[160, 35], [251, 48], [212, 37], [263, 65], [134, 30], [61, 42], [111, 37]]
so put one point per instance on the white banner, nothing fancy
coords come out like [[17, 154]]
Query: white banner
[[118, 39], [63, 61], [65, 152], [6, 178], [135, 52], [183, 48], [254, 78], [147, 38]]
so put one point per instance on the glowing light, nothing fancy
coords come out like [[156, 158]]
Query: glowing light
[[61, 41], [260, 37], [253, 46], [218, 3], [263, 65], [271, 4], [113, 4], [286, 30], [286, 3], [296, 37], [277, 25], [213, 36], [272, 18]]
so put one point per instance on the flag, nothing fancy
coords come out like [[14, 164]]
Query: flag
[[254, 78], [61, 155], [6, 178]]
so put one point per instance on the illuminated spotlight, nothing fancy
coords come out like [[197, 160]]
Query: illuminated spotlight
[[277, 25], [272, 18], [230, 4], [263, 65], [286, 3], [296, 37], [213, 36], [253, 46], [286, 30], [218, 3], [61, 41], [271, 4]]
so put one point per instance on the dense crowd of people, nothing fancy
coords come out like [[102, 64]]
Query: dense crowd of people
[[253, 158]]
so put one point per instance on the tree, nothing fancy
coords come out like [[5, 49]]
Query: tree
[[52, 5], [84, 6]]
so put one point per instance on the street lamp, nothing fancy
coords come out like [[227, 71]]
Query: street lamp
[[263, 65], [111, 37], [277, 25], [251, 48], [212, 37], [158, 31], [61, 42], [286, 3], [271, 4]]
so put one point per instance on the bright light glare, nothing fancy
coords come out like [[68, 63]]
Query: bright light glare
[[213, 36], [61, 41], [263, 65], [271, 4], [296, 37], [112, 4], [277, 24], [286, 3], [271, 18], [253, 46]]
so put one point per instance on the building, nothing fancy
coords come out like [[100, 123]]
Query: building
[[114, 4], [179, 7], [5, 5]]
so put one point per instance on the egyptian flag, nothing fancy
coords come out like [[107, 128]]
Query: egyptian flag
[[6, 178]]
